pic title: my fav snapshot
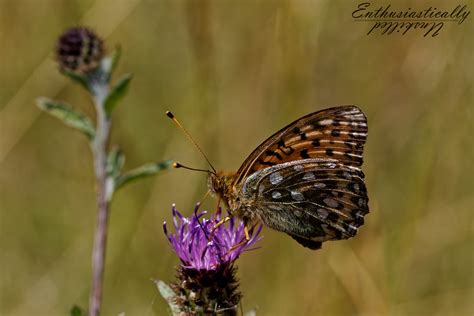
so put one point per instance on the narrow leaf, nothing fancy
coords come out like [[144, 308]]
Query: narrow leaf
[[80, 79], [146, 170], [117, 92], [109, 63], [67, 115], [115, 58], [77, 311], [168, 294], [165, 290], [115, 162], [106, 68]]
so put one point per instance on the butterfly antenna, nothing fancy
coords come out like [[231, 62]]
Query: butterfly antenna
[[178, 165], [171, 116]]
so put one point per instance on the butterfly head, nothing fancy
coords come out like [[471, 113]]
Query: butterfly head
[[220, 184]]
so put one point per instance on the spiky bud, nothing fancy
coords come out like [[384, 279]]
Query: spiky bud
[[79, 50], [208, 291]]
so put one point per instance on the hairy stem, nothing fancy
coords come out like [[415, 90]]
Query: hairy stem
[[99, 149]]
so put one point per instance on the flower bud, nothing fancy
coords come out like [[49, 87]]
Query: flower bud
[[79, 50]]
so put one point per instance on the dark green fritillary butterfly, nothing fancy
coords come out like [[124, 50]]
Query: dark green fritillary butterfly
[[305, 180]]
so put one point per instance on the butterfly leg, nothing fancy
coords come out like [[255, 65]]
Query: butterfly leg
[[244, 240], [218, 204], [219, 223]]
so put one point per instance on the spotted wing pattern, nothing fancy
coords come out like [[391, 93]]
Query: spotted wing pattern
[[313, 200], [306, 180], [335, 133]]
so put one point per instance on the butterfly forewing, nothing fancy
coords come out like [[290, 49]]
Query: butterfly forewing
[[336, 133]]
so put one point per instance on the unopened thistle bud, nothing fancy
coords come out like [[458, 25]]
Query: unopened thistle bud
[[79, 50]]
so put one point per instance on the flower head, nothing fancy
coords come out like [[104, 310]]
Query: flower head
[[79, 50], [204, 243], [207, 249]]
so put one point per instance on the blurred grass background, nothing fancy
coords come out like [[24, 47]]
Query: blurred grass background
[[234, 72]]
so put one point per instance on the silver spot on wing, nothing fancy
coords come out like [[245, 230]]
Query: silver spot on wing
[[298, 167], [296, 195], [326, 122], [331, 202], [276, 195], [276, 178], [356, 188], [322, 213]]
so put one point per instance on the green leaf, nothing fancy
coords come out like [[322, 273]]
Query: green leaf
[[108, 64], [146, 170], [117, 92], [67, 115], [115, 58], [77, 311], [79, 78], [168, 294], [115, 162], [165, 290]]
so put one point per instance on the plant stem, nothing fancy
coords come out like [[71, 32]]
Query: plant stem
[[99, 149]]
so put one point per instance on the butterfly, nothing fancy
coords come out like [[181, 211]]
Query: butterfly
[[305, 180]]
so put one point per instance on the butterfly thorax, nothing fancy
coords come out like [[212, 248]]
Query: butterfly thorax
[[222, 185]]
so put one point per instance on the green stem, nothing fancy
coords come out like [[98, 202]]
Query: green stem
[[99, 149]]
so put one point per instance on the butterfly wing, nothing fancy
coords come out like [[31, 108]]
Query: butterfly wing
[[313, 200], [335, 133], [306, 180]]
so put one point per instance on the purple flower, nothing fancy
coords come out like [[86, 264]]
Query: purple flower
[[206, 279], [202, 244]]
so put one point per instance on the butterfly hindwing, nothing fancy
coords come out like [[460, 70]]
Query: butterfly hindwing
[[313, 199], [336, 133], [308, 243]]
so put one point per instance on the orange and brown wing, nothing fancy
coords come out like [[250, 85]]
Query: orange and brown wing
[[337, 133]]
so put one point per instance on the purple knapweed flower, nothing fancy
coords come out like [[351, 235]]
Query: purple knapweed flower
[[202, 244], [207, 250]]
